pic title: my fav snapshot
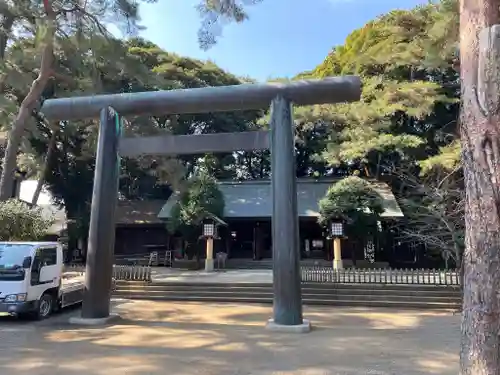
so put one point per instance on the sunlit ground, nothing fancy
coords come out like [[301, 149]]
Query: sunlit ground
[[193, 338]]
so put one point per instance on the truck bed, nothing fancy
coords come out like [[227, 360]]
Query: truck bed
[[72, 288], [72, 281]]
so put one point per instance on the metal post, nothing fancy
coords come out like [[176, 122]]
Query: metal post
[[287, 308], [96, 303]]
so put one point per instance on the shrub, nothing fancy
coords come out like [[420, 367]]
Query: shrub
[[20, 222], [355, 202]]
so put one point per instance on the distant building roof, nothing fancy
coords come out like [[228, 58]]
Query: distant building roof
[[138, 212], [127, 212], [254, 198]]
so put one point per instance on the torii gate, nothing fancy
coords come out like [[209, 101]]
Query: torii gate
[[287, 305]]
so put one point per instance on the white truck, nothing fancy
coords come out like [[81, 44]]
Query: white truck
[[32, 279]]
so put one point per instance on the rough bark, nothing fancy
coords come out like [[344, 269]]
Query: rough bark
[[46, 166], [27, 106], [480, 131]]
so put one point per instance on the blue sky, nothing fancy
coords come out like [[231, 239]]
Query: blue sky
[[281, 38]]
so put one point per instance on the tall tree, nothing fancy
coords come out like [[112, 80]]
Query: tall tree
[[409, 97], [141, 66], [30, 101], [480, 128], [51, 22]]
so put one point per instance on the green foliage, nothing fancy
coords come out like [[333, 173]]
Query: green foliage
[[19, 222], [78, 26], [141, 66], [215, 13], [355, 202], [83, 47], [424, 37], [201, 199], [406, 116], [409, 102], [71, 174], [448, 159]]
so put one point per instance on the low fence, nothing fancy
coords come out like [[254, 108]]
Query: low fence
[[120, 273], [132, 273], [152, 258], [380, 276], [74, 267], [319, 274]]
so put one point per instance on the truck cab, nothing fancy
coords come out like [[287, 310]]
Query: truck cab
[[32, 281]]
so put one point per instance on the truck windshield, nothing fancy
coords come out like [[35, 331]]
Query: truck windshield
[[12, 255], [11, 260]]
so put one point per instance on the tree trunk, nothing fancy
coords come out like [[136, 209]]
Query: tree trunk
[[5, 30], [27, 106], [480, 131], [46, 166], [261, 168], [379, 165]]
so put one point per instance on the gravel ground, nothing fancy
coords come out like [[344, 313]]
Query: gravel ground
[[221, 339]]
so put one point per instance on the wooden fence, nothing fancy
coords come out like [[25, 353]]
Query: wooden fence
[[380, 276]]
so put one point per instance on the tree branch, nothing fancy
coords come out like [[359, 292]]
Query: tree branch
[[28, 105]]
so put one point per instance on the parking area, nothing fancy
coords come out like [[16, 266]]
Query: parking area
[[218, 339]]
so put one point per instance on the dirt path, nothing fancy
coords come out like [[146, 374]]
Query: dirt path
[[199, 339]]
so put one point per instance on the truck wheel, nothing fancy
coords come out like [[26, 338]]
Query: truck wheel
[[45, 306]]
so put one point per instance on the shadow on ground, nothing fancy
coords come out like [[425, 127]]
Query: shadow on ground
[[193, 338]]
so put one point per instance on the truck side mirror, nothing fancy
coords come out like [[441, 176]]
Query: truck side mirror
[[27, 262]]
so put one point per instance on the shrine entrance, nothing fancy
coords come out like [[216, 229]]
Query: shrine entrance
[[280, 140]]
